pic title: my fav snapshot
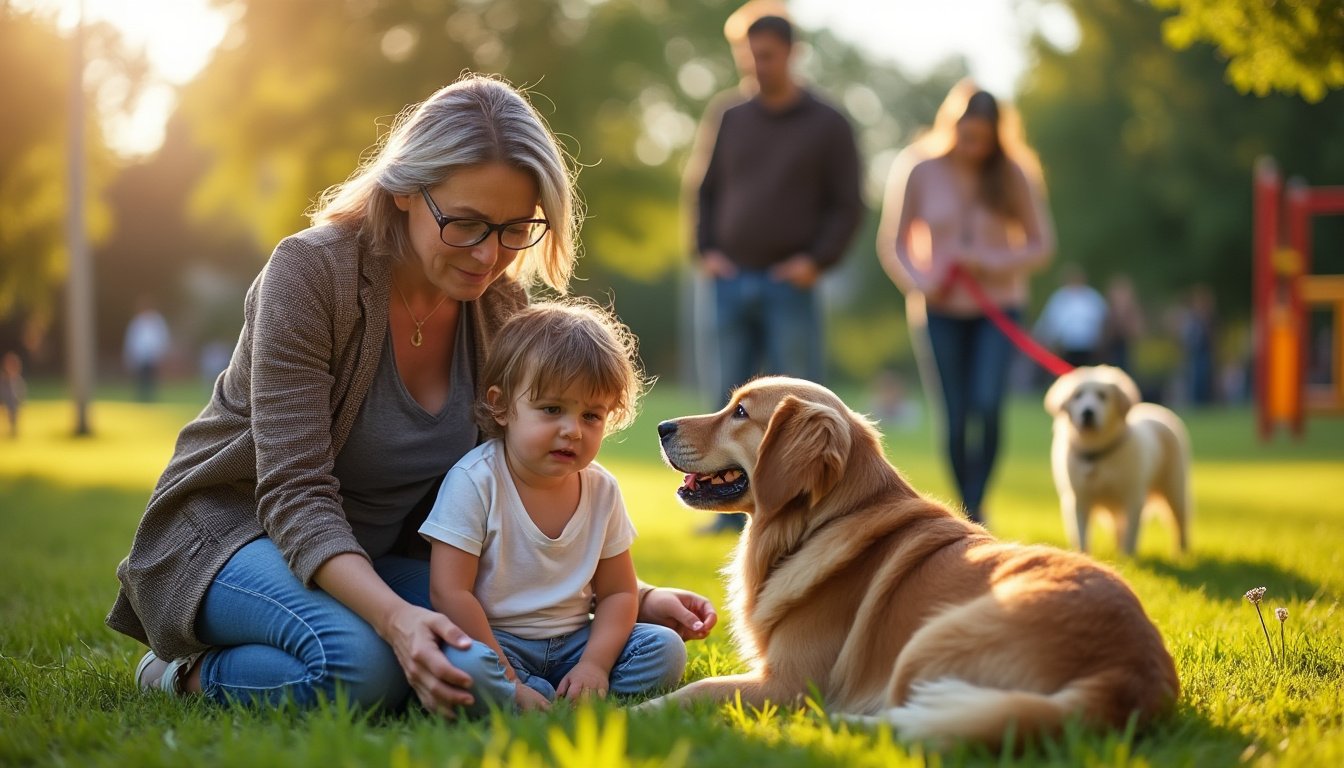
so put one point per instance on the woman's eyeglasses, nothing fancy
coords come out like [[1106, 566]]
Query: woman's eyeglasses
[[465, 232]]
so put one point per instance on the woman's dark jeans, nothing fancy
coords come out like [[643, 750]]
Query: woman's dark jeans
[[972, 357]]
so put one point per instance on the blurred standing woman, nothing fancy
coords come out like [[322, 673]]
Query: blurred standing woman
[[273, 560], [967, 194]]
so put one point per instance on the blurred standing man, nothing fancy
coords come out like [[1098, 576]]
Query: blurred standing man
[[778, 203], [144, 348]]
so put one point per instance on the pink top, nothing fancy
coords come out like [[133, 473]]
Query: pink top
[[933, 220]]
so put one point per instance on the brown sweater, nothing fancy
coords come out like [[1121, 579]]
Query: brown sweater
[[780, 183], [258, 459]]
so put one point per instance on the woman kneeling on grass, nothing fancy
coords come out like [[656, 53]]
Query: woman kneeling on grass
[[529, 534], [276, 558]]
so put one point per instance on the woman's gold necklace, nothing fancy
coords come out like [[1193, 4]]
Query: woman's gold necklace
[[417, 338]]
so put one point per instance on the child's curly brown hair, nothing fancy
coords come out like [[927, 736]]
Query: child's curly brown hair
[[549, 346]]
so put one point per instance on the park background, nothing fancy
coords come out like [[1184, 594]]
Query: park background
[[1147, 151], [1147, 135]]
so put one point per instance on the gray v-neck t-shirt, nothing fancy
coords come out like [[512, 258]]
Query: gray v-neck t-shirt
[[397, 450]]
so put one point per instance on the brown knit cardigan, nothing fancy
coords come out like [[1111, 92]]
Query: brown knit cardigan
[[258, 459]]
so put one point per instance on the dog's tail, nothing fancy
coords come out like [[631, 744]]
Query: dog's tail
[[948, 709]]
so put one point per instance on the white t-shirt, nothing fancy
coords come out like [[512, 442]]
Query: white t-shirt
[[1072, 318], [529, 584]]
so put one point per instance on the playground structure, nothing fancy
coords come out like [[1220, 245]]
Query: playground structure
[[1285, 293]]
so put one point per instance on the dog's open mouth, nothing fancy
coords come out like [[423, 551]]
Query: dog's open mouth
[[705, 489]]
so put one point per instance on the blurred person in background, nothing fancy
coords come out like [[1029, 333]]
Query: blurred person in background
[[13, 390], [146, 344], [1124, 324], [213, 360], [778, 202], [1197, 336], [1072, 320], [277, 559], [967, 194]]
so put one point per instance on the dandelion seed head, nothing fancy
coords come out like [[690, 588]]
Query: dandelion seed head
[[1255, 595], [1281, 614]]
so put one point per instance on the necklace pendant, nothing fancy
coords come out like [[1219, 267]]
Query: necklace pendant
[[416, 338]]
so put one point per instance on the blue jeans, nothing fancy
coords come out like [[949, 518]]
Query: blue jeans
[[653, 658], [763, 325], [972, 357], [274, 639]]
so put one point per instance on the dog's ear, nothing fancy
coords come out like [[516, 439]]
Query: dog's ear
[[1126, 394], [1060, 392], [1122, 386], [803, 453]]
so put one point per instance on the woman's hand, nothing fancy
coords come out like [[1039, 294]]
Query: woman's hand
[[416, 635], [527, 699], [799, 269], [934, 282], [714, 264], [585, 679], [689, 614]]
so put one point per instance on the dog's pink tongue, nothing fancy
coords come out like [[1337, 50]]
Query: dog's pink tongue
[[689, 482]]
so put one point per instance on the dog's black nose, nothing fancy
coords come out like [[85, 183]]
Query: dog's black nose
[[1089, 418], [666, 428]]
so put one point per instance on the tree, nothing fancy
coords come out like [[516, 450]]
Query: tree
[[35, 80], [1148, 154], [1291, 47], [194, 271]]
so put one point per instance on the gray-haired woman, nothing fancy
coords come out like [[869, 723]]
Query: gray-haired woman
[[274, 559]]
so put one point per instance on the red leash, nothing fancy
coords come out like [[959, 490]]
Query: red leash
[[1020, 338]]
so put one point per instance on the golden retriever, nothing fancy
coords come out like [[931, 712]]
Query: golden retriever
[[1111, 452], [895, 608]]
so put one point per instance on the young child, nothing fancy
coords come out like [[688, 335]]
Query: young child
[[529, 535]]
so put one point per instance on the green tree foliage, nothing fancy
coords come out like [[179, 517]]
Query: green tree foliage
[[1291, 46], [192, 271], [297, 89], [35, 67], [1148, 155], [288, 114]]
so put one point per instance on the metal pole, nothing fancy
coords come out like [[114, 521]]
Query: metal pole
[[79, 289]]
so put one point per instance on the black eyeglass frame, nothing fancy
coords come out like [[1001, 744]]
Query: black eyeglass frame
[[497, 229]]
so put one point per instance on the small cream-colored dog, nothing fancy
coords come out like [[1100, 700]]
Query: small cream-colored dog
[[1114, 453]]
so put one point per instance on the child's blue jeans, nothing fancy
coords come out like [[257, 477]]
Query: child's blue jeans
[[653, 658]]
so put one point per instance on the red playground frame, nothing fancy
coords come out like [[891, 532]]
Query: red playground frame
[[1284, 291]]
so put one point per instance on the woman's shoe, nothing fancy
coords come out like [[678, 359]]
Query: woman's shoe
[[155, 674]]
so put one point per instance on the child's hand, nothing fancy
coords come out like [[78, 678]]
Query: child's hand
[[585, 679], [528, 699], [689, 614]]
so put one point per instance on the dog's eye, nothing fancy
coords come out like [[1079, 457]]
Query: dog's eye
[[1102, 395], [739, 412]]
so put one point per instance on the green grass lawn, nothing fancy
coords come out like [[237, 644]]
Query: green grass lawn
[[1266, 515]]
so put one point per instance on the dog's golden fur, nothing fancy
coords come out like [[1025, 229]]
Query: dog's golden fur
[[895, 608]]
